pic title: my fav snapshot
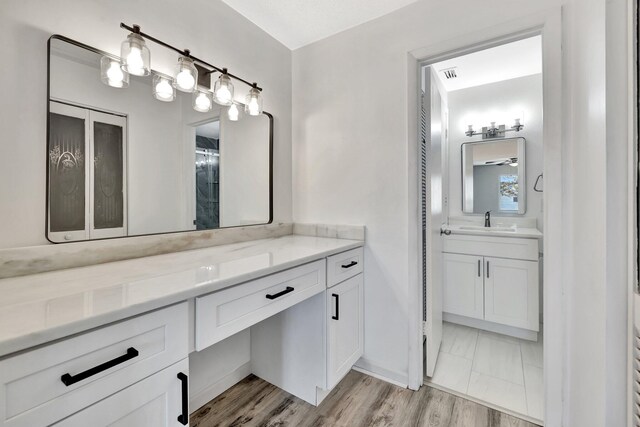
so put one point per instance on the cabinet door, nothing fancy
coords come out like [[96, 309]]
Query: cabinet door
[[463, 285], [156, 401], [511, 292], [345, 342]]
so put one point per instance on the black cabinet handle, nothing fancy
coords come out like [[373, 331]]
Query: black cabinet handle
[[337, 316], [487, 269], [479, 274], [69, 379], [279, 294], [184, 417], [351, 264]]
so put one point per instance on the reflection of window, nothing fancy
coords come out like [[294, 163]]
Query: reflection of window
[[508, 193]]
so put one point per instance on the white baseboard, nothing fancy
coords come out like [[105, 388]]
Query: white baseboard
[[368, 368], [200, 398], [511, 331]]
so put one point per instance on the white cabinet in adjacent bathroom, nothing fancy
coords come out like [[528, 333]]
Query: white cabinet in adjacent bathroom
[[492, 283], [511, 292], [464, 286]]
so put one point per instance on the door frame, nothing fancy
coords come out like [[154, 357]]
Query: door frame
[[549, 25]]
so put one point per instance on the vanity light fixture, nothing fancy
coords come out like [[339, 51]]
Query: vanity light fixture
[[202, 101], [186, 74], [163, 89], [253, 104], [233, 112], [494, 131], [135, 59], [112, 74], [223, 89], [135, 55]]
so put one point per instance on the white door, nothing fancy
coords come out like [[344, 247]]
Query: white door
[[432, 204], [511, 292], [346, 328], [157, 401], [463, 285]]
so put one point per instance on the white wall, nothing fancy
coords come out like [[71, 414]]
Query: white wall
[[520, 94], [351, 156], [210, 29]]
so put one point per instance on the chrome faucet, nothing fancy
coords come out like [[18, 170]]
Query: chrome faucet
[[487, 219]]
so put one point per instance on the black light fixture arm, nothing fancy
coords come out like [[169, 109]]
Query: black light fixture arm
[[136, 29]]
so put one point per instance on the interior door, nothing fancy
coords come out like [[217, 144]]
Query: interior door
[[432, 221]]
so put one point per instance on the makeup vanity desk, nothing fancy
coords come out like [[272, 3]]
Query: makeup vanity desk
[[111, 342]]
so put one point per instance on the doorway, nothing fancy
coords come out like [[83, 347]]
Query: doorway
[[482, 224]]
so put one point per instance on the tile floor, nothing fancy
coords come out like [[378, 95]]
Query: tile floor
[[493, 368]]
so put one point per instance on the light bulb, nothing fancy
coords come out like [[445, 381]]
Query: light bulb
[[223, 94], [185, 80], [163, 89], [136, 58], [134, 62], [111, 74], [202, 101], [186, 74], [253, 104], [233, 112], [115, 73], [223, 89]]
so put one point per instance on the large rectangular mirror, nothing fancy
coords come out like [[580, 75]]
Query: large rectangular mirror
[[493, 176], [123, 163]]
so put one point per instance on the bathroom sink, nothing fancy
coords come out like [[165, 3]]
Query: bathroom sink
[[488, 229]]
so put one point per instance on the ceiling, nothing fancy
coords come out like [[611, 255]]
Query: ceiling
[[296, 23], [509, 61]]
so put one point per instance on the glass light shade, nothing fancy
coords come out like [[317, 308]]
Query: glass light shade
[[202, 101], [223, 90], [136, 58], [163, 89], [186, 75], [253, 104], [233, 112], [112, 74]]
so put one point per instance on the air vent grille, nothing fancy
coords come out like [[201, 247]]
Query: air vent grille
[[450, 73]]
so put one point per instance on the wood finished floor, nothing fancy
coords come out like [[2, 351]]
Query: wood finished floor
[[359, 400]]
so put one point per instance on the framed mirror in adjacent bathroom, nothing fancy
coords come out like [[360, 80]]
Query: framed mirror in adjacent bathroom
[[493, 176], [121, 162]]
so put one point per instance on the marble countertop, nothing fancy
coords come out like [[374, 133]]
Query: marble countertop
[[520, 232], [39, 308]]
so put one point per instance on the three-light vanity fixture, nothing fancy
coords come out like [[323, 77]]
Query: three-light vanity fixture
[[493, 131], [135, 59]]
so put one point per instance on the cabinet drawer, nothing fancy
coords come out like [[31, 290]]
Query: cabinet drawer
[[156, 401], [499, 247], [342, 266], [94, 365], [222, 314]]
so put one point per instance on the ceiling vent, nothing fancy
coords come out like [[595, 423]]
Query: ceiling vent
[[450, 73]]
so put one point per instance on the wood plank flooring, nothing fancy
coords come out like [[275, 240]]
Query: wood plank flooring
[[358, 401]]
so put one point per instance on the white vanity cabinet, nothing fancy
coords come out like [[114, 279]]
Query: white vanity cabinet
[[463, 291], [345, 317], [47, 384], [492, 283]]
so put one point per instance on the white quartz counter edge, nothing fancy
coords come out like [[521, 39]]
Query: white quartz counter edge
[[10, 344], [526, 233]]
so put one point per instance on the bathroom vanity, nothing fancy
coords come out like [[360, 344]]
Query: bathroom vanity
[[112, 341], [491, 279]]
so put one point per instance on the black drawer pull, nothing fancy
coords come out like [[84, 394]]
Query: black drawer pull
[[337, 316], [279, 294], [351, 264], [69, 379], [183, 418]]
